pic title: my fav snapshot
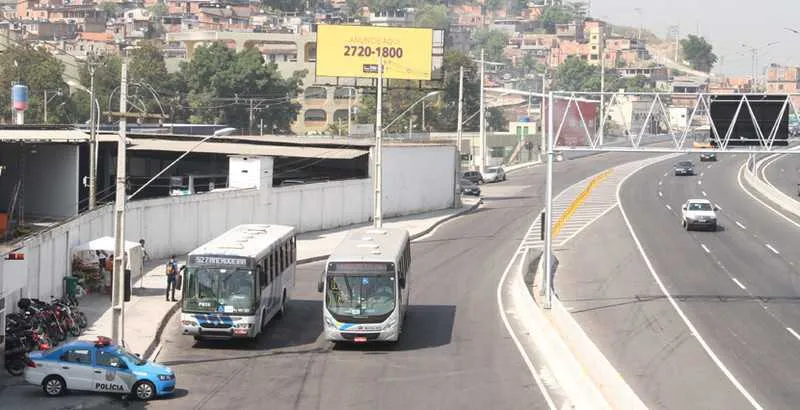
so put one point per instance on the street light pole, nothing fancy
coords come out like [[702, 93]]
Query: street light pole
[[602, 38], [92, 141], [378, 211], [460, 128], [118, 274], [349, 110]]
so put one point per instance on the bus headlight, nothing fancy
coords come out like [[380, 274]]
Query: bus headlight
[[330, 322], [243, 325], [189, 323]]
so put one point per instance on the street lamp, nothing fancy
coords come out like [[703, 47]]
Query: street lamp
[[410, 107], [350, 106], [94, 123], [754, 55], [47, 101]]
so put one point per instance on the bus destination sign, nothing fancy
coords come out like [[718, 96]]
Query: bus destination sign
[[217, 260], [361, 267]]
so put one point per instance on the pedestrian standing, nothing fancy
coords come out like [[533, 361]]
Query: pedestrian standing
[[172, 276]]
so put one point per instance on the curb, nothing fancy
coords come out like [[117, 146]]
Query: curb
[[161, 325], [412, 237]]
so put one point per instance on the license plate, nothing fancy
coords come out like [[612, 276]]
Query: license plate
[[360, 339]]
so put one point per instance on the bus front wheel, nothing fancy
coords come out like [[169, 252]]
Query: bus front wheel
[[282, 311]]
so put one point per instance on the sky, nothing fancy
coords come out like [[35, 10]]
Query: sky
[[725, 24]]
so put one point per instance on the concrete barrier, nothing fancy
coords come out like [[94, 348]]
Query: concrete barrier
[[775, 195]]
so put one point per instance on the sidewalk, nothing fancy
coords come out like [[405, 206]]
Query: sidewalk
[[147, 313]]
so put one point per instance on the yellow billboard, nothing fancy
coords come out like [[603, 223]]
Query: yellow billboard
[[354, 52]]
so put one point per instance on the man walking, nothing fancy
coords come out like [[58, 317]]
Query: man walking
[[172, 277]]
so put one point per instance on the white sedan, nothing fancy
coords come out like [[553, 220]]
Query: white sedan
[[697, 213]]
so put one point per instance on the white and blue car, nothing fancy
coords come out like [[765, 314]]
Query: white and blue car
[[99, 366]]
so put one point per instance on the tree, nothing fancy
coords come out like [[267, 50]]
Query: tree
[[698, 52], [222, 82], [575, 74], [433, 16], [493, 42], [40, 71], [556, 14]]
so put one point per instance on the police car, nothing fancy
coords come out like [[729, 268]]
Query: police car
[[99, 366]]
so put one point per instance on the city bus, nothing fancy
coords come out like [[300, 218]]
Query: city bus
[[366, 286], [236, 283]]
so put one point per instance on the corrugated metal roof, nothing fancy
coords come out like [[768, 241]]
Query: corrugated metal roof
[[43, 135], [142, 144]]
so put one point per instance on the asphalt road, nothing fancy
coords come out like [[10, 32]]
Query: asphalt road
[[454, 354], [784, 174], [739, 286]]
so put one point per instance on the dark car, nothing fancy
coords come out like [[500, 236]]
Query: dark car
[[684, 168], [708, 156], [469, 188], [473, 176]]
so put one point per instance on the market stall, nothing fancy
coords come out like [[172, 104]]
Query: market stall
[[92, 263]]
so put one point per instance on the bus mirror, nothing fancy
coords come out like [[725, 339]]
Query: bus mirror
[[319, 286]]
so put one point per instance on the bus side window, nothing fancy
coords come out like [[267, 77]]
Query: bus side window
[[286, 252], [294, 249], [274, 267], [262, 274], [268, 269], [281, 258]]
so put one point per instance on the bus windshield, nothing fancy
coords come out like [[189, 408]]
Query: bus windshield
[[366, 296], [210, 289]]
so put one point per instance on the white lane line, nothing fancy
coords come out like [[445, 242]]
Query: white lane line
[[793, 333], [699, 182], [704, 193], [775, 251], [708, 167], [746, 191], [692, 329], [668, 207], [739, 224], [739, 283], [666, 173], [660, 194], [701, 174], [705, 248], [660, 182]]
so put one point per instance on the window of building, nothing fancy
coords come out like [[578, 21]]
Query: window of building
[[315, 115], [315, 93]]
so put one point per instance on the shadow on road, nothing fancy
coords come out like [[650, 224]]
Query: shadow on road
[[426, 326]]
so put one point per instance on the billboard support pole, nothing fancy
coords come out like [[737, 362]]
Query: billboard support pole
[[548, 217], [378, 211], [460, 129], [482, 116]]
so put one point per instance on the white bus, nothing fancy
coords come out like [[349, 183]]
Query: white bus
[[366, 286], [235, 284]]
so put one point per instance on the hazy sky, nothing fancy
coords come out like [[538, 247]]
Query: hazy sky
[[725, 24]]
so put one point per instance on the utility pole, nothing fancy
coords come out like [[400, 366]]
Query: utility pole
[[250, 126], [542, 114], [378, 211], [602, 47], [482, 116], [45, 106], [118, 274], [349, 110], [92, 65]]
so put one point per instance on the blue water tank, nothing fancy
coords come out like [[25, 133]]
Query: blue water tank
[[19, 97]]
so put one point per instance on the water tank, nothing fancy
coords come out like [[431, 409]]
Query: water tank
[[19, 97]]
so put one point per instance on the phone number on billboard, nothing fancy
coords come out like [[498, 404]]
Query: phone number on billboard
[[361, 51]]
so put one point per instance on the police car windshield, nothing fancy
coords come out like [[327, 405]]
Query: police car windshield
[[130, 356]]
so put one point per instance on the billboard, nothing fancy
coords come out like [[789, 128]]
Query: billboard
[[569, 117], [354, 51], [766, 110]]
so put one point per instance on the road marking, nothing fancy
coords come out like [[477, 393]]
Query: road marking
[[709, 167], [659, 183], [701, 174], [793, 333], [733, 156], [705, 248], [660, 194], [739, 283], [739, 224], [666, 173], [668, 207], [751, 195], [700, 182], [704, 193], [772, 249], [692, 329]]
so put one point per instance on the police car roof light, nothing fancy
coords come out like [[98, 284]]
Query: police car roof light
[[102, 341]]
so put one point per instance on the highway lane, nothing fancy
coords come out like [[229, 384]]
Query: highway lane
[[784, 174], [736, 290], [455, 354]]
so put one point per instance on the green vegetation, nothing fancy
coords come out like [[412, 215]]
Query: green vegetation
[[40, 71], [699, 53], [575, 74]]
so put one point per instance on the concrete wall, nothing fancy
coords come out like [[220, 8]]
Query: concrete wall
[[53, 193], [418, 178]]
